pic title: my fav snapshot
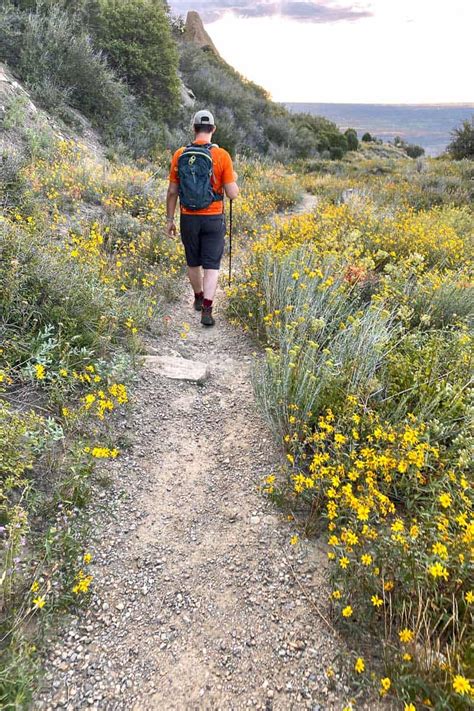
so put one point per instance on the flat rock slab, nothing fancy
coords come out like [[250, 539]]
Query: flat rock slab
[[176, 368]]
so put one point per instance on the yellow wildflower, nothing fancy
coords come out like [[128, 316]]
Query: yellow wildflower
[[40, 371], [438, 571], [445, 500], [440, 549], [406, 635], [461, 685]]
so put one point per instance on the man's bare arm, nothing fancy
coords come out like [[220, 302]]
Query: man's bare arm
[[231, 190], [171, 200]]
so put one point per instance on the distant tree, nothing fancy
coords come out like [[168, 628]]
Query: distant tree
[[414, 151], [136, 36], [462, 145], [367, 138], [315, 135], [178, 24], [352, 140], [411, 149]]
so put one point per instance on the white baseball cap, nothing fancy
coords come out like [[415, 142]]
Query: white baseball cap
[[202, 118]]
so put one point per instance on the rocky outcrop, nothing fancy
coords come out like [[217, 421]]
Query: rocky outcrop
[[188, 98], [11, 89], [194, 32], [19, 114]]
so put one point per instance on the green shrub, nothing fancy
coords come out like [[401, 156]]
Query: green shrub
[[414, 151], [12, 162], [56, 51], [136, 36], [462, 145], [315, 135], [12, 25], [321, 346], [367, 138], [43, 289], [352, 140]]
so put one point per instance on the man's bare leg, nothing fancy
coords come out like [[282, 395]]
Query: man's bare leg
[[210, 283], [196, 279]]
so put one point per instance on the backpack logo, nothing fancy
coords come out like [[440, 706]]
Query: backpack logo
[[195, 171]]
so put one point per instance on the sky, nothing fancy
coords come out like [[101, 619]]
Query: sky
[[338, 51]]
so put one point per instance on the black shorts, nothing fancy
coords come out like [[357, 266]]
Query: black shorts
[[203, 240]]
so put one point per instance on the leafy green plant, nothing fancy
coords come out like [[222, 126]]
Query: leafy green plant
[[56, 51], [136, 37], [462, 144], [352, 140]]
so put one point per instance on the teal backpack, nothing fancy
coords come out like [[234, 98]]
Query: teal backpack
[[195, 169]]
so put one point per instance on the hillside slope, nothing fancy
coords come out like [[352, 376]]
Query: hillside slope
[[249, 122]]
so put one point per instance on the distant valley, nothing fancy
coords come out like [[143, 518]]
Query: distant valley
[[429, 126]]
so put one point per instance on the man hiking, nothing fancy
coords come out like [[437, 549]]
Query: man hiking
[[200, 175]]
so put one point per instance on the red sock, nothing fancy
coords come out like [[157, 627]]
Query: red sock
[[207, 303], [199, 296]]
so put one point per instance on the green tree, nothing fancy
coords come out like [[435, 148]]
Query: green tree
[[367, 138], [462, 145], [352, 140], [413, 150], [136, 36]]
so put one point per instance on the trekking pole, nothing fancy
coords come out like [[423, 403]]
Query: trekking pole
[[230, 242]]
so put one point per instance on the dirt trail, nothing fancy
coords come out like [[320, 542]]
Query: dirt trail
[[200, 602]]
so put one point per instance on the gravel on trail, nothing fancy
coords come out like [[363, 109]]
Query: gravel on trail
[[199, 601]]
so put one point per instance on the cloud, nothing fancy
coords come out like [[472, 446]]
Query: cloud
[[321, 11]]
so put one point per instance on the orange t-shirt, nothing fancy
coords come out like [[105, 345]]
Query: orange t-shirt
[[223, 173]]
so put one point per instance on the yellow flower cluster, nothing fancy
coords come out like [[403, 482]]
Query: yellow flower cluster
[[82, 584], [102, 452], [103, 401]]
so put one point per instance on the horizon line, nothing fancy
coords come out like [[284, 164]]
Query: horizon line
[[469, 104]]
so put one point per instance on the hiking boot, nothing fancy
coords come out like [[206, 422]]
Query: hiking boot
[[206, 316], [198, 303]]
